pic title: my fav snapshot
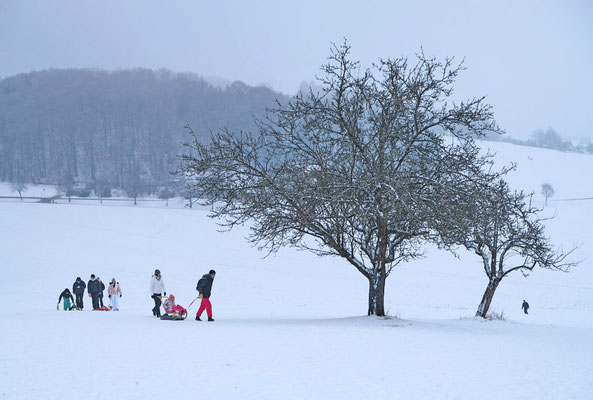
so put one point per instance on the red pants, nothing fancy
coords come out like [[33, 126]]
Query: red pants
[[205, 305]]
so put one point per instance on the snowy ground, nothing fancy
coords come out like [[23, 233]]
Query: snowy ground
[[290, 326]]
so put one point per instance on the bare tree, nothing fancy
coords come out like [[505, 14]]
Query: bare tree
[[102, 189], [508, 235], [166, 194], [18, 186], [547, 191], [134, 184], [359, 170]]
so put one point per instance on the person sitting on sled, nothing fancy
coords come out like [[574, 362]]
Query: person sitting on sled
[[171, 307], [68, 300]]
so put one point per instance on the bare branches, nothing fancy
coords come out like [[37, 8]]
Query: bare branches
[[361, 169], [508, 234]]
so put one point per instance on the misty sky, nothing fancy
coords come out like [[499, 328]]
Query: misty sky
[[533, 59]]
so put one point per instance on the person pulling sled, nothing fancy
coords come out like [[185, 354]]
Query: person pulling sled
[[204, 288], [94, 287]]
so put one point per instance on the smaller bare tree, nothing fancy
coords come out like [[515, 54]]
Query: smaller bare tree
[[17, 186], [547, 191], [508, 235], [166, 194]]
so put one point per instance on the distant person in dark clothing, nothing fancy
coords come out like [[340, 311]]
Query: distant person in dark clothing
[[78, 289], [94, 287], [204, 287], [68, 300], [101, 292], [525, 307]]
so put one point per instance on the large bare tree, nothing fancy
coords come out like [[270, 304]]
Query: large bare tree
[[361, 169]]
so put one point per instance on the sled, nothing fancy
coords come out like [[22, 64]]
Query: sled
[[172, 317], [103, 309], [175, 316]]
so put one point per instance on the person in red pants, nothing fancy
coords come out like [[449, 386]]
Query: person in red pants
[[204, 288]]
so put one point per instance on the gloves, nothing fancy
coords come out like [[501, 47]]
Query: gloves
[[165, 293], [120, 295], [201, 296], [109, 296]]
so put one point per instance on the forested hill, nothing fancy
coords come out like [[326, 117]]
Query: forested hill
[[118, 129]]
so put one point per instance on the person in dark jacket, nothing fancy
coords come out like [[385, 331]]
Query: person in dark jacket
[[101, 292], [525, 307], [68, 300], [204, 287], [94, 287], [78, 289]]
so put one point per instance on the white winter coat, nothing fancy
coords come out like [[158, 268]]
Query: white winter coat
[[157, 285]]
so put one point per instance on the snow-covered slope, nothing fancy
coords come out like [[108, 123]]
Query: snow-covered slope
[[290, 325]]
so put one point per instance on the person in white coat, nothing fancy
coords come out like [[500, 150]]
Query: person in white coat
[[157, 288], [114, 292]]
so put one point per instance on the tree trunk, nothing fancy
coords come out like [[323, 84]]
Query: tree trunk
[[377, 293], [487, 298]]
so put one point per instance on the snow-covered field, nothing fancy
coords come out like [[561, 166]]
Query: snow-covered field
[[289, 326]]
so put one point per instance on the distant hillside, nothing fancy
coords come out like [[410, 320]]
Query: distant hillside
[[114, 129]]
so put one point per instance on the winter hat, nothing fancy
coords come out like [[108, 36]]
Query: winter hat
[[156, 272], [212, 272], [93, 276], [172, 297], [78, 278]]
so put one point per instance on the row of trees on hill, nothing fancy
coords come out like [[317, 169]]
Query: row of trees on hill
[[96, 130], [371, 168], [547, 139]]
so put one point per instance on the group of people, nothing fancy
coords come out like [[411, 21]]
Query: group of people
[[95, 290], [204, 288]]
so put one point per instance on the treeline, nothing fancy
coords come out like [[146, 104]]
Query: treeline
[[96, 130], [548, 139]]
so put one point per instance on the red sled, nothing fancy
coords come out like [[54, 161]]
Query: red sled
[[104, 309]]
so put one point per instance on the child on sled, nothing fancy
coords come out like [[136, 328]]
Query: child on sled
[[171, 307]]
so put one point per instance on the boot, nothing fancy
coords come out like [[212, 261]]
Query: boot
[[210, 319], [198, 318]]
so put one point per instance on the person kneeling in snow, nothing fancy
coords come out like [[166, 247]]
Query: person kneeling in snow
[[68, 300], [171, 307]]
